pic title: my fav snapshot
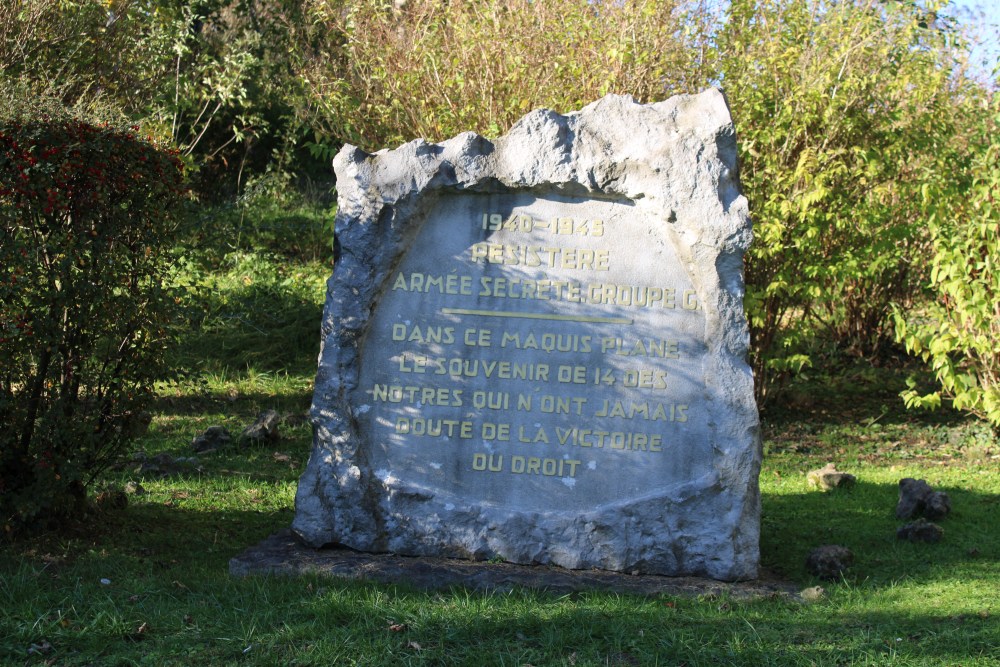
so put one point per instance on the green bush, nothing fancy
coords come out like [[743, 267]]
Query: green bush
[[959, 332], [432, 69], [85, 219], [845, 111]]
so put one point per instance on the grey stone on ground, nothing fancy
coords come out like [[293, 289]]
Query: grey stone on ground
[[263, 431], [283, 555], [156, 465], [917, 498], [829, 561], [828, 478], [213, 439], [937, 506], [920, 531]]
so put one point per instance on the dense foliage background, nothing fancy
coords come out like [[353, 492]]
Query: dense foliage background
[[869, 151]]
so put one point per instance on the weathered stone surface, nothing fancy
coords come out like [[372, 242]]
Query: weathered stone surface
[[937, 506], [133, 488], [917, 498], [828, 478], [213, 439], [282, 554], [263, 431], [829, 561], [920, 531], [533, 349]]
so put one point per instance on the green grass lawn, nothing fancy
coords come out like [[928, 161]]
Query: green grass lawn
[[149, 584]]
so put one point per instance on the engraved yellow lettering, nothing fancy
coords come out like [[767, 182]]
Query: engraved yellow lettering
[[491, 431], [690, 300], [478, 337]]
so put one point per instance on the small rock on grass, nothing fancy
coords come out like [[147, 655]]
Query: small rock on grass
[[829, 561], [813, 594], [41, 648], [920, 531], [263, 431], [213, 439], [937, 506], [134, 488], [916, 498], [828, 478]]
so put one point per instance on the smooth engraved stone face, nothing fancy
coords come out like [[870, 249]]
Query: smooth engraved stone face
[[534, 348], [538, 354]]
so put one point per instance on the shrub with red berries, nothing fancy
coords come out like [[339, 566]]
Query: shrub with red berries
[[85, 304]]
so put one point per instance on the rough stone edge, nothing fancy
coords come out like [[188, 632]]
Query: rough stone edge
[[282, 554], [572, 158]]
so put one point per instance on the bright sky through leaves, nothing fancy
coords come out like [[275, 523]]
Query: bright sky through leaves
[[982, 17]]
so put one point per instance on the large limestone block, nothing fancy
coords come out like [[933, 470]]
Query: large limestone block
[[534, 348]]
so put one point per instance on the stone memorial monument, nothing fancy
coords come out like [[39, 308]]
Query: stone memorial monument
[[534, 348]]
